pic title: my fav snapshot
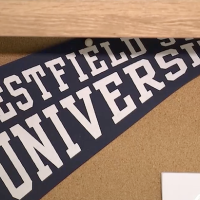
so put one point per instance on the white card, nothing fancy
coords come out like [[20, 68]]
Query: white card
[[180, 186]]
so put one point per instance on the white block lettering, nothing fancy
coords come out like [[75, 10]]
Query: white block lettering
[[134, 54], [169, 43], [147, 79], [82, 76], [114, 62], [159, 57], [18, 92], [51, 112], [9, 114], [91, 126], [90, 60], [22, 190], [31, 145], [33, 72], [110, 97], [57, 73], [193, 55]]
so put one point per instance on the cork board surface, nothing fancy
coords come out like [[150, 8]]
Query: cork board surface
[[165, 140]]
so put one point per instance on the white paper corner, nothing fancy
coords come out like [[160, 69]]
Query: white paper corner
[[180, 186]]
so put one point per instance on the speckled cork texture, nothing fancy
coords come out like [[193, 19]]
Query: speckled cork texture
[[167, 139]]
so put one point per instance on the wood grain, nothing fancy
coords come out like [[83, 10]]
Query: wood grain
[[111, 18]]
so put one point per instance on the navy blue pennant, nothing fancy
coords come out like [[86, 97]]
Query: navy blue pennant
[[61, 106]]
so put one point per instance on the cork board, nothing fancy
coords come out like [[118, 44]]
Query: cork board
[[166, 139]]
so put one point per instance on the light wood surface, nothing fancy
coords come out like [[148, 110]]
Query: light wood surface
[[90, 18]]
